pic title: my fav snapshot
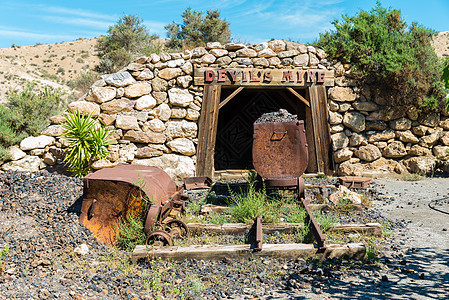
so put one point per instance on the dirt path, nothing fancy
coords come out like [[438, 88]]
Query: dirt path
[[416, 266]]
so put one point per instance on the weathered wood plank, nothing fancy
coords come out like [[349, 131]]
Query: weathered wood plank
[[297, 95], [371, 229], [207, 131], [318, 105], [263, 77], [214, 252], [229, 98]]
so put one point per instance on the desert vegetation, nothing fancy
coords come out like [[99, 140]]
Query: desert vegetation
[[389, 54]]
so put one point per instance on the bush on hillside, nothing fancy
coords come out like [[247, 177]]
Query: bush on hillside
[[397, 59], [26, 113], [84, 81], [198, 29], [125, 40]]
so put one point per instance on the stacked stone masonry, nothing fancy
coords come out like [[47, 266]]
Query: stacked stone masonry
[[153, 108]]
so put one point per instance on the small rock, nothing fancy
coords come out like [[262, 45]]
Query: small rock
[[82, 249]]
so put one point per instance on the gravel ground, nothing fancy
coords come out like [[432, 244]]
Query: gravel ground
[[39, 227]]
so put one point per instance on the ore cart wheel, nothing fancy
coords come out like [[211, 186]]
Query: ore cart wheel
[[159, 238], [177, 228]]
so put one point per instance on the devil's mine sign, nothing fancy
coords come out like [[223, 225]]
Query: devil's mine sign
[[269, 77]]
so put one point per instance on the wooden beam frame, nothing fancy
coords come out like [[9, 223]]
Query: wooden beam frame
[[297, 95], [229, 98]]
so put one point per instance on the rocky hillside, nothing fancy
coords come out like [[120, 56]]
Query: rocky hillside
[[441, 44], [47, 65]]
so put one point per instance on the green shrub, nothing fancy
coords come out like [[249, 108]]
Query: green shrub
[[396, 59], [84, 81], [26, 113], [197, 30], [88, 142], [128, 38]]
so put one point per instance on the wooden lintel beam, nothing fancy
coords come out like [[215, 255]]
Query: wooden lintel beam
[[298, 96], [234, 93]]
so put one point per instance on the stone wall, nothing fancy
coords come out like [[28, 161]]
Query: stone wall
[[153, 108], [368, 137]]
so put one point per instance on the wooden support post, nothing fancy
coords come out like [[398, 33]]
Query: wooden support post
[[321, 130], [207, 131]]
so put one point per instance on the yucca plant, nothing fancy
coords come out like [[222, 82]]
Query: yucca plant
[[88, 140]]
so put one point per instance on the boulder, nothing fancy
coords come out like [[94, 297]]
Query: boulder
[[335, 118], [423, 165], [49, 159], [288, 53], [148, 151], [180, 97], [117, 105], [277, 45], [339, 141], [106, 119], [54, 130], [137, 89], [146, 74], [266, 53], [356, 140], [208, 59], [178, 113], [342, 155], [368, 153], [159, 85], [385, 135], [179, 129], [430, 140], [218, 52], [407, 137], [198, 52], [26, 164], [58, 119], [341, 94], [183, 146], [145, 102], [38, 142], [15, 153], [445, 138], [127, 152], [85, 108], [420, 130], [104, 163], [441, 152], [103, 94], [144, 137], [354, 120], [127, 122], [444, 124], [175, 62], [417, 150], [156, 125], [394, 150], [176, 166], [349, 169], [401, 124], [184, 81], [119, 79]]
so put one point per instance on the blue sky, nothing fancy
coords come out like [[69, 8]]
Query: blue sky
[[24, 22]]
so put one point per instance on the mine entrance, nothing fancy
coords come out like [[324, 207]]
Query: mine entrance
[[234, 137]]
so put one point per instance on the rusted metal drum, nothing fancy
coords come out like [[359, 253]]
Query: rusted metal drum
[[112, 193], [280, 154]]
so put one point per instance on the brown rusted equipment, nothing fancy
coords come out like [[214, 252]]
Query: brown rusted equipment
[[280, 157], [354, 182], [126, 190], [192, 183]]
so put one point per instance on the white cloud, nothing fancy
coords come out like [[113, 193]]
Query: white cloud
[[77, 12], [79, 22], [33, 35]]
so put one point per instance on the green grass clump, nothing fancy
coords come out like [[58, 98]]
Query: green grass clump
[[130, 232], [245, 207]]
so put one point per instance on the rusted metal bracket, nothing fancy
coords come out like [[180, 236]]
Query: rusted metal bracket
[[314, 227], [192, 183], [255, 235], [354, 182]]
